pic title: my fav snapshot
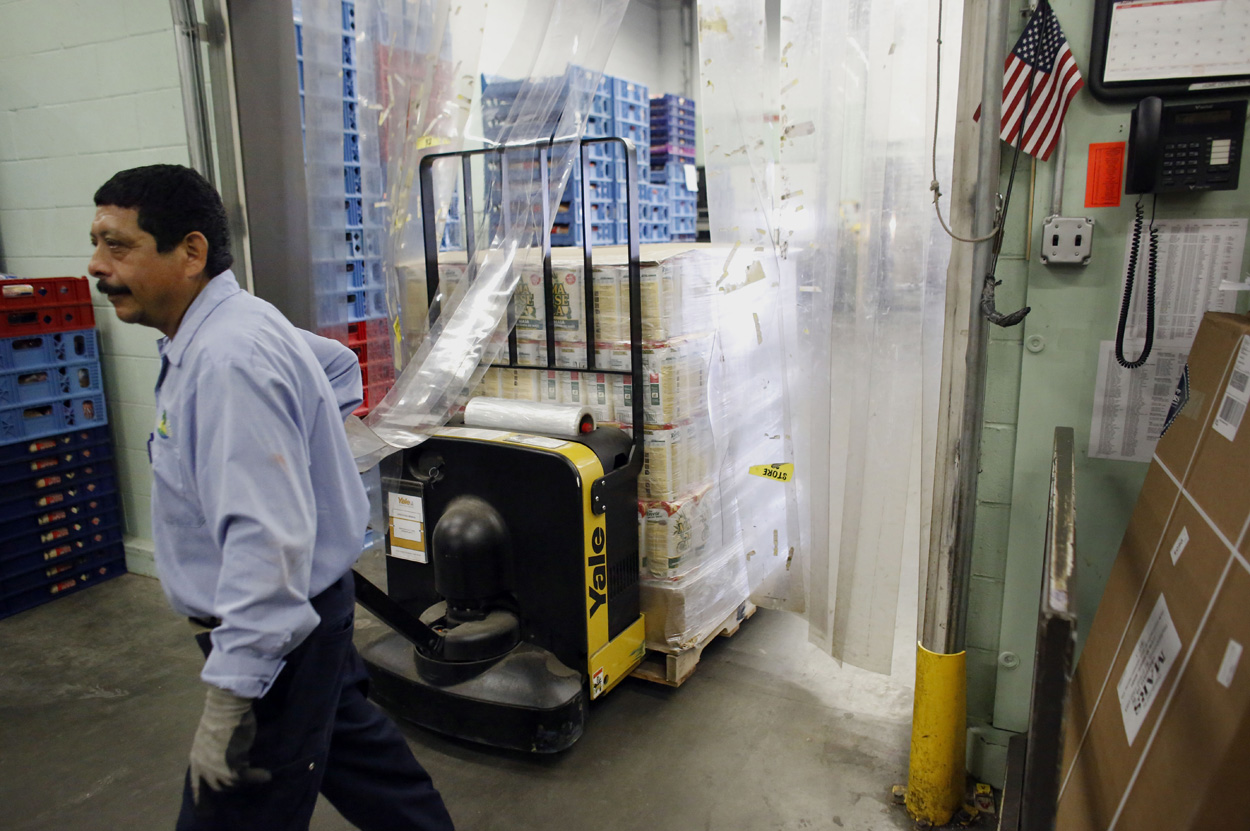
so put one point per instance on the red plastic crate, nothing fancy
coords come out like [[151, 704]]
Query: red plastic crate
[[52, 304], [43, 292], [363, 331]]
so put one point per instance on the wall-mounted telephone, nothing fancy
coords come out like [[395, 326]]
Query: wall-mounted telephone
[[1177, 149], [1185, 147]]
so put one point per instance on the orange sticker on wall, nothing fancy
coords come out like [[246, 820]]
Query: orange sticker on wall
[[1104, 176]]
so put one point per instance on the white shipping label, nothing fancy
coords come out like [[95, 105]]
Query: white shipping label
[[1148, 666], [1236, 395], [405, 506], [409, 554], [1178, 547], [1228, 667], [406, 529]]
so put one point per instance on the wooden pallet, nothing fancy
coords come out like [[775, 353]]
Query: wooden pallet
[[673, 668]]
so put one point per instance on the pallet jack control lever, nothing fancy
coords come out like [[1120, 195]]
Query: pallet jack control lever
[[395, 616]]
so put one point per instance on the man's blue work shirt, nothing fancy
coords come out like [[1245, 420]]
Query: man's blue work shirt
[[256, 502]]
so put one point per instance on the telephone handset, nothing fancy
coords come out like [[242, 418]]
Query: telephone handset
[[1182, 148], [1145, 150]]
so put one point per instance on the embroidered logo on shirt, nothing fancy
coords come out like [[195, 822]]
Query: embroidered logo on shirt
[[162, 428]]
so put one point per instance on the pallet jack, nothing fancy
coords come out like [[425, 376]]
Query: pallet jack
[[520, 603]]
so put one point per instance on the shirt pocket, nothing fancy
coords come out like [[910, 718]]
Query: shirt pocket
[[173, 502]]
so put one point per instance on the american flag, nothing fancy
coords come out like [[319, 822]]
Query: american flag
[[1042, 54]]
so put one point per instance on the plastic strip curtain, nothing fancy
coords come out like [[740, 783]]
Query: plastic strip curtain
[[559, 58], [817, 155]]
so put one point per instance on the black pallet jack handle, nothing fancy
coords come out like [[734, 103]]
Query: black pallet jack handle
[[397, 617], [600, 487]]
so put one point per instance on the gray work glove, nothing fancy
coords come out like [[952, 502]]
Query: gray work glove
[[222, 741]]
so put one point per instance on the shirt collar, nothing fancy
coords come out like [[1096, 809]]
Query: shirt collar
[[218, 289]]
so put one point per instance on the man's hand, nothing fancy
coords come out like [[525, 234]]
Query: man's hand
[[222, 742]]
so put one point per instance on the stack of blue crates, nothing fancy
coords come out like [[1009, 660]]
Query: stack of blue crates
[[619, 108], [356, 293], [60, 522], [672, 148]]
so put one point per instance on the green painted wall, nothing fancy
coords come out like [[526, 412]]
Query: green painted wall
[[1030, 393]]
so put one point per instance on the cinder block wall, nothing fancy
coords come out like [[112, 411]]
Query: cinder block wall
[[88, 88]]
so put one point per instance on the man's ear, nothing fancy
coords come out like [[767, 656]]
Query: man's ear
[[196, 247]]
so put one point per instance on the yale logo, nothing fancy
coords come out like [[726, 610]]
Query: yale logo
[[403, 500], [597, 561]]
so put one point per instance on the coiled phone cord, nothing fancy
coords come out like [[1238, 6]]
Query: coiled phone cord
[[1151, 260]]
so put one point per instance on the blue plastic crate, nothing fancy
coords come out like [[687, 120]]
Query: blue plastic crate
[[45, 573], [299, 63], [667, 120], [355, 211], [43, 383], [299, 40], [681, 136], [349, 116], [599, 211], [24, 475], [32, 548], [48, 349], [683, 207], [351, 305], [598, 126], [28, 503], [631, 112], [349, 16], [681, 225], [601, 104], [32, 421], [351, 148], [51, 516], [571, 235], [351, 179], [349, 50], [24, 453], [91, 575], [674, 104], [624, 90], [652, 232], [349, 83]]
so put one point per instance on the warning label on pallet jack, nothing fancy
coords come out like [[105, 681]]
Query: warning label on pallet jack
[[407, 527]]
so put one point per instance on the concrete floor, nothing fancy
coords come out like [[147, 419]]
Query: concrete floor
[[99, 699]]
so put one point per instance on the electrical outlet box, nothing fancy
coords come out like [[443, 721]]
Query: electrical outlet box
[[1067, 240]]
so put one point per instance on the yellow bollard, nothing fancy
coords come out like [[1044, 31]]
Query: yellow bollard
[[935, 775]]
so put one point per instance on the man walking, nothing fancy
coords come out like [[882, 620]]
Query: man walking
[[258, 515]]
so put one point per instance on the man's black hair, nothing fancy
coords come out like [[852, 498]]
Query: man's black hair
[[173, 201]]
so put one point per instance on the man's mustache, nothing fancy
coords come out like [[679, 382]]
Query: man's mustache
[[105, 288]]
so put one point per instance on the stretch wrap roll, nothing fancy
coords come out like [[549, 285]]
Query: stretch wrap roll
[[529, 416]]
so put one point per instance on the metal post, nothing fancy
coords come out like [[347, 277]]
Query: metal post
[[272, 150], [974, 389], [226, 135]]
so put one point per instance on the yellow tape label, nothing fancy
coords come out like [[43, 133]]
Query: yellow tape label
[[431, 141], [779, 472]]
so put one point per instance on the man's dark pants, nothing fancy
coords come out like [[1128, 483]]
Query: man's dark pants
[[317, 732]]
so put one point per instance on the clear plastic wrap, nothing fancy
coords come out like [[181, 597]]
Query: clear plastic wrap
[[709, 531], [559, 61]]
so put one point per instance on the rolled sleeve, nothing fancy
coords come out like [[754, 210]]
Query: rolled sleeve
[[252, 474]]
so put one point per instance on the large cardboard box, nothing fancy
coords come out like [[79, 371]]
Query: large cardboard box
[[1157, 727]]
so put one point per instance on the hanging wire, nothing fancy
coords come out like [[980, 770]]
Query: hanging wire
[[934, 185]]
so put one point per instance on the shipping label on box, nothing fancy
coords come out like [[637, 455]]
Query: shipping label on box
[[1156, 651]]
